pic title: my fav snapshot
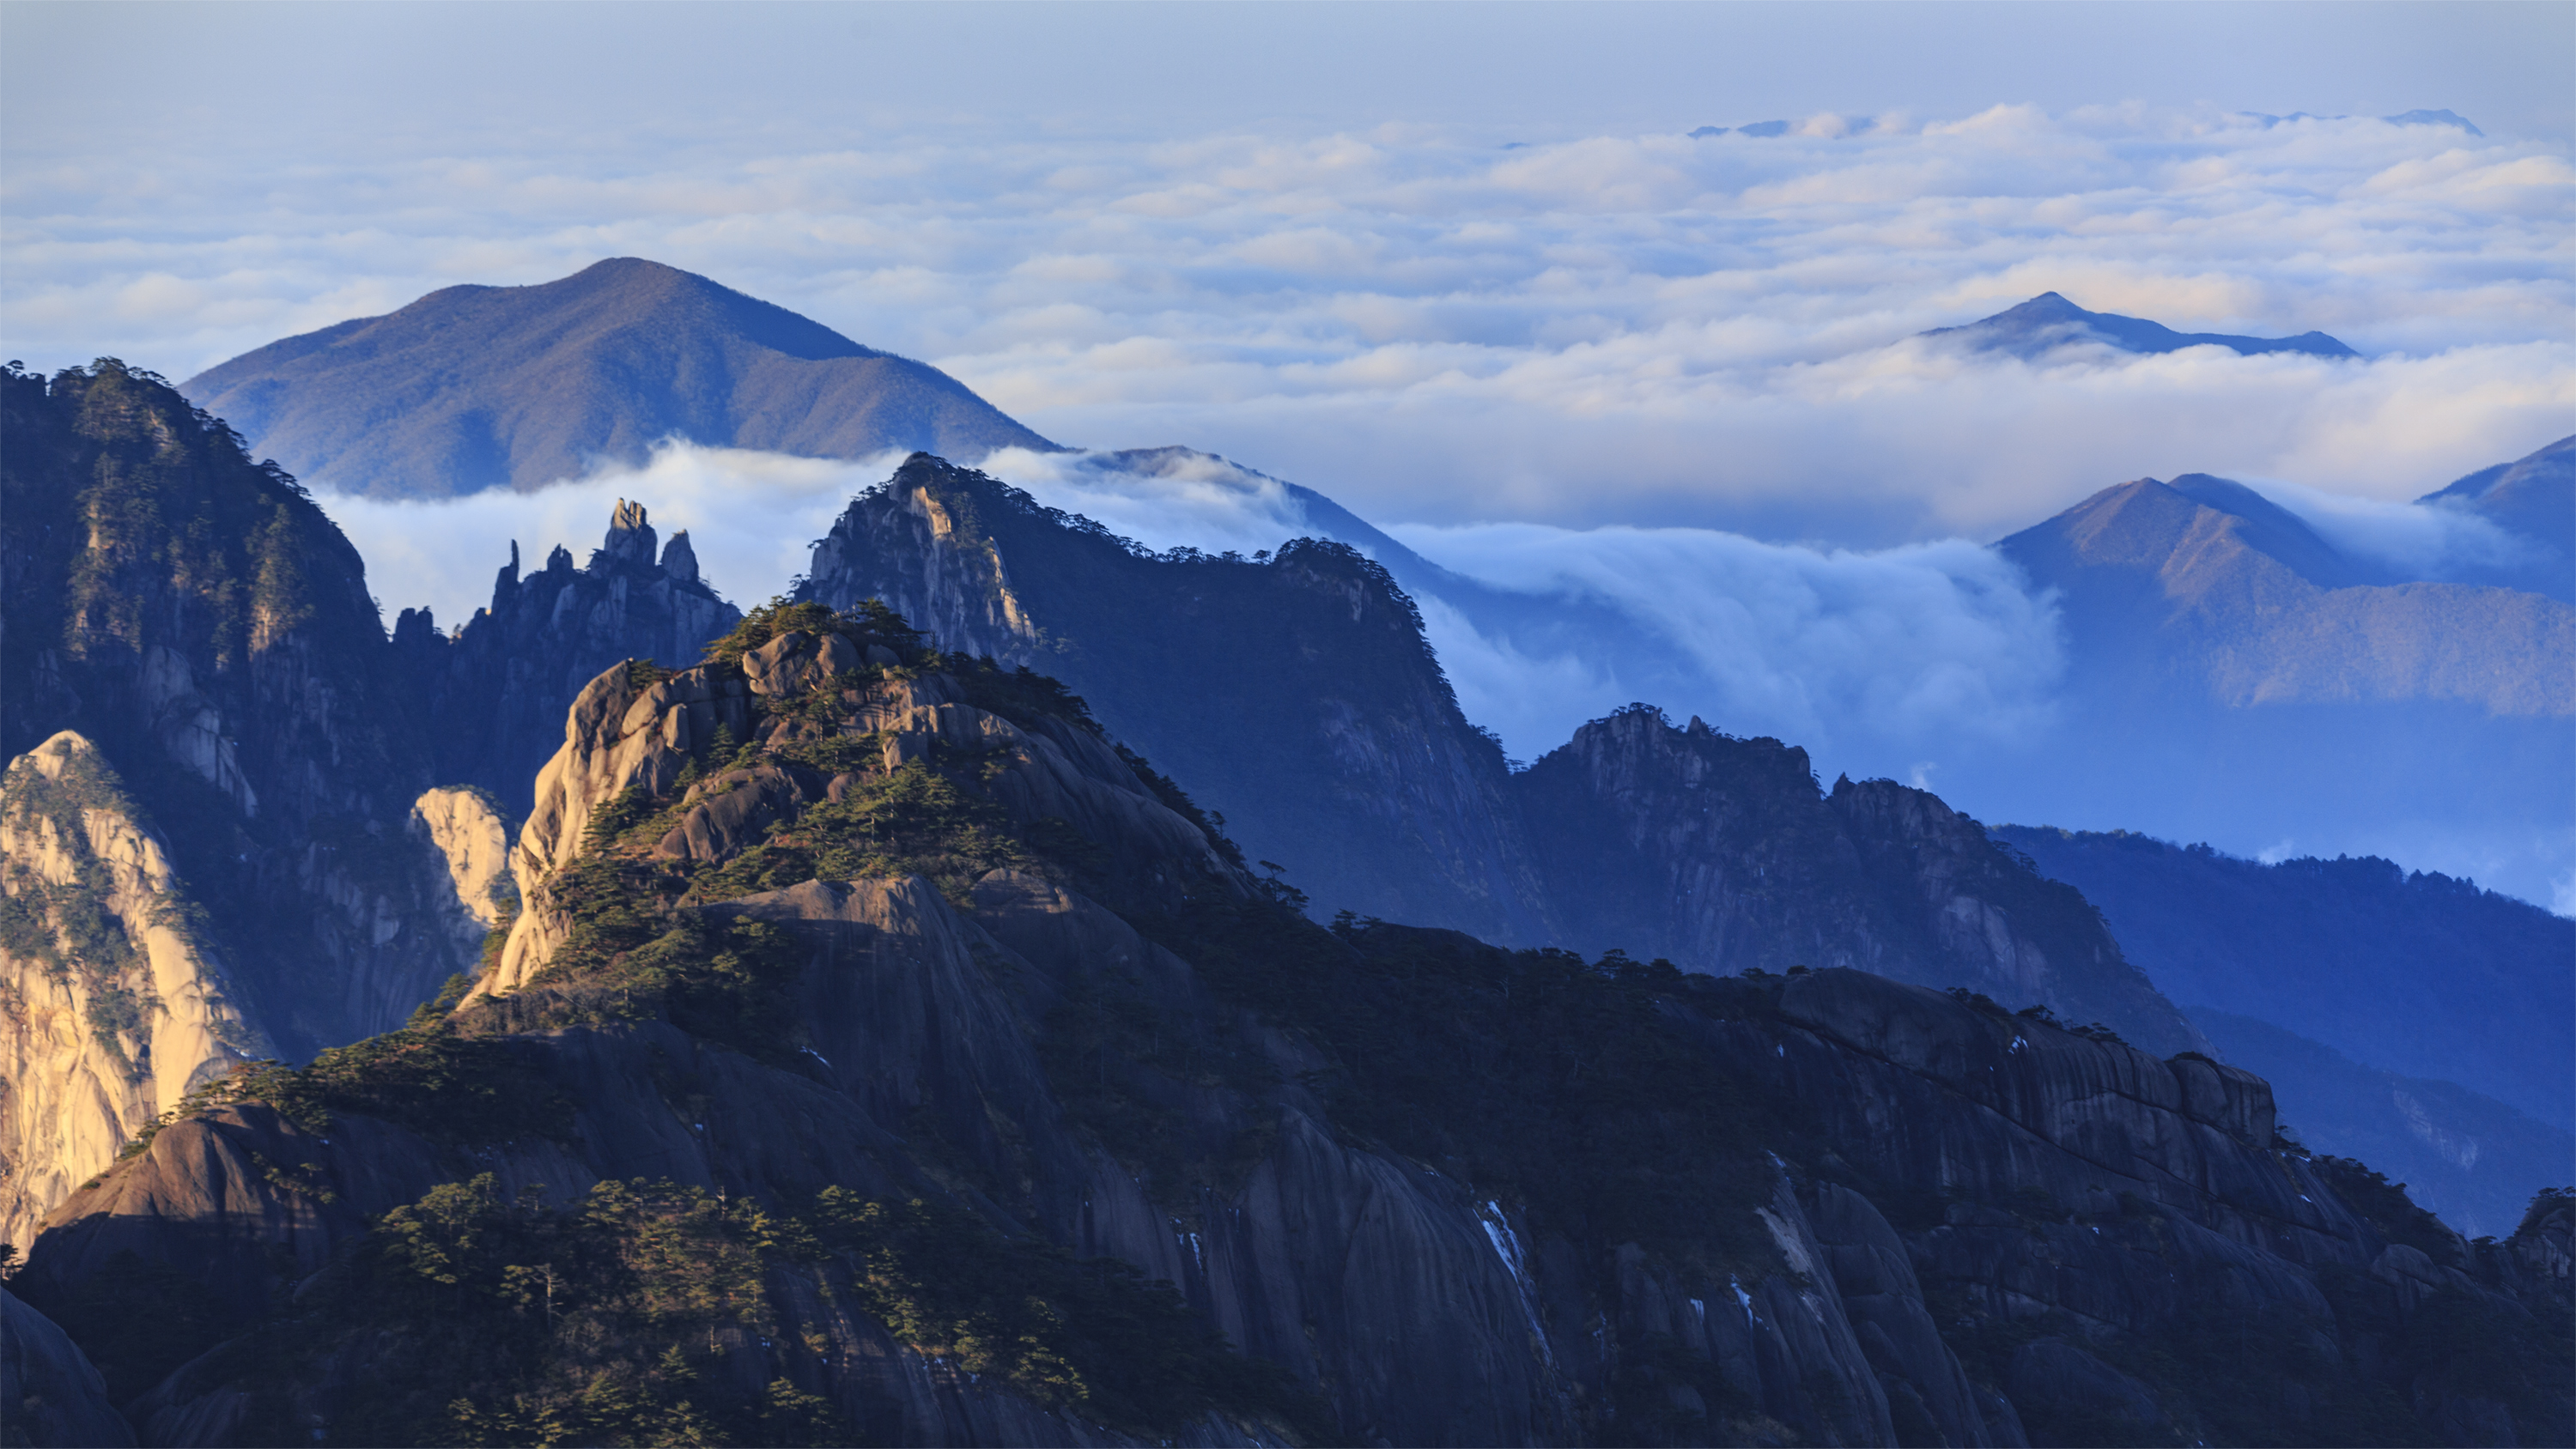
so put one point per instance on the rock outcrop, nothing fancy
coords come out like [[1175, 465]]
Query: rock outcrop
[[199, 620], [1320, 728], [113, 1002], [1842, 1209], [498, 686]]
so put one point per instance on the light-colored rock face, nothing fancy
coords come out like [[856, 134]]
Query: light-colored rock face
[[111, 1004], [461, 825], [618, 736]]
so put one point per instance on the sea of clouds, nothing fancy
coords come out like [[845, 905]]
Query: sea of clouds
[[1678, 377], [1647, 330]]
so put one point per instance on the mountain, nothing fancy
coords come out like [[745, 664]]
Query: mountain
[[1322, 732], [1320, 727], [1722, 855], [2233, 676], [207, 635], [2050, 321], [229, 829], [477, 387], [2336, 951], [855, 1081], [2533, 499], [2409, 1019]]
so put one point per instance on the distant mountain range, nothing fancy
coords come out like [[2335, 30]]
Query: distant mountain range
[[2233, 673], [2049, 321], [2314, 973], [866, 1045], [516, 387]]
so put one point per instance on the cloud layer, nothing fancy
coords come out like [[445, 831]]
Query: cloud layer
[[1587, 330]]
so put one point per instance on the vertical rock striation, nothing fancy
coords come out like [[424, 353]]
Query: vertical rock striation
[[113, 1002]]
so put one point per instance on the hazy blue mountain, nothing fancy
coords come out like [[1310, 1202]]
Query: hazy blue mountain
[[2534, 499], [2232, 676], [2403, 118], [2417, 974], [515, 387], [2465, 1155], [2049, 320], [2432, 118]]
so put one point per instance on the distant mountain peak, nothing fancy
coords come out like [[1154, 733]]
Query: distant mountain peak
[[475, 387], [2050, 320]]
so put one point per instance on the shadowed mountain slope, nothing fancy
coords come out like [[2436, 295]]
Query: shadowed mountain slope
[[1320, 727], [857, 1083], [2049, 320], [478, 387], [2417, 974], [2465, 1156]]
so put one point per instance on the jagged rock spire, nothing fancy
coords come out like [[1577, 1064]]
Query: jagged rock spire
[[630, 538], [679, 560]]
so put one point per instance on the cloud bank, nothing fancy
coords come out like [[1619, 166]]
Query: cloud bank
[[1823, 648], [1640, 329]]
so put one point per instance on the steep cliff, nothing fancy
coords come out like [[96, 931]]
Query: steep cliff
[[113, 1003], [196, 618], [830, 1080], [1319, 726], [497, 687]]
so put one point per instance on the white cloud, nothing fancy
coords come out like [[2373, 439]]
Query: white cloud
[[1828, 648], [2418, 542], [752, 519], [1607, 328]]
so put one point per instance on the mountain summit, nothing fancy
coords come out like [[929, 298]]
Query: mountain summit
[[479, 387], [2049, 320]]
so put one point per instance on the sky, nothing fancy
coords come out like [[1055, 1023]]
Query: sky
[[1461, 268]]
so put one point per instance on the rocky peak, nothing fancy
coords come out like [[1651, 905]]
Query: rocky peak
[[1321, 728], [630, 540], [1722, 854], [725, 756], [498, 688], [679, 560]]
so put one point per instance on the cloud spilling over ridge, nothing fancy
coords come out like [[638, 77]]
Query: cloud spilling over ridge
[[1591, 329], [2417, 541], [1820, 647]]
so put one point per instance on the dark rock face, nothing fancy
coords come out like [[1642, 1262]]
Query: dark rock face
[[1318, 726], [2049, 321], [49, 1393], [517, 387], [497, 688], [2332, 954]]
